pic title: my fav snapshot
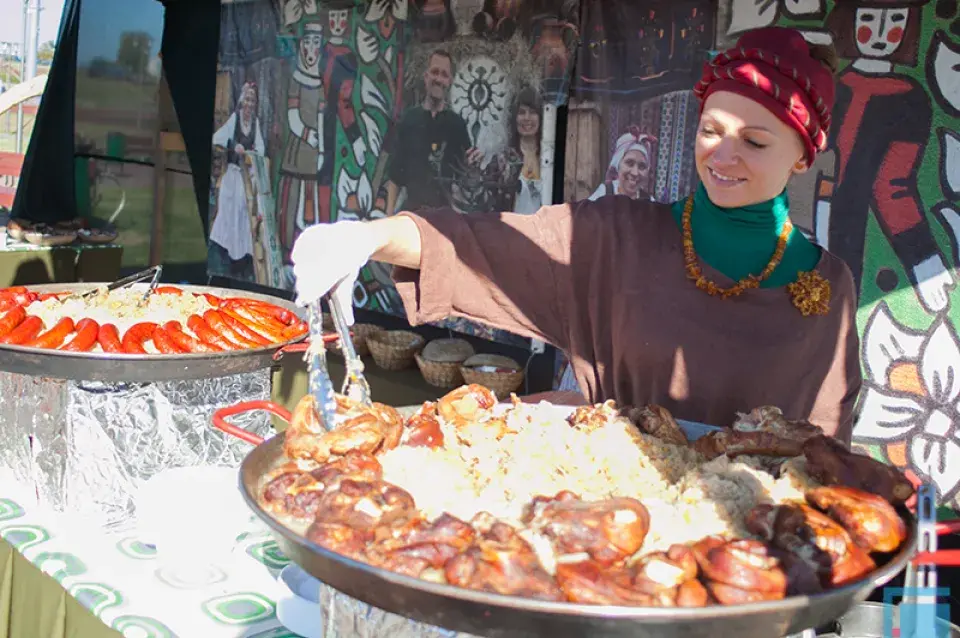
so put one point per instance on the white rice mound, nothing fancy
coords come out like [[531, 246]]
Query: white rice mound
[[687, 497]]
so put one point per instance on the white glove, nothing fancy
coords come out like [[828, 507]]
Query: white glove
[[328, 257]]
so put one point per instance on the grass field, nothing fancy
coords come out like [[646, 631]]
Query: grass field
[[183, 232], [109, 94]]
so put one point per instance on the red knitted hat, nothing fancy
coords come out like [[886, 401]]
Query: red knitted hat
[[773, 67]]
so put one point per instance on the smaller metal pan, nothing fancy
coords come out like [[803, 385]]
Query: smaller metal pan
[[495, 615]]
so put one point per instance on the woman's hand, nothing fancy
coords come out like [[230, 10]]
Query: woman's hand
[[328, 257]]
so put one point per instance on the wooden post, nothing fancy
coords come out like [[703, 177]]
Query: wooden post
[[583, 169], [159, 185]]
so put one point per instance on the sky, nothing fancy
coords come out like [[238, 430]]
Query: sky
[[11, 26], [101, 23]]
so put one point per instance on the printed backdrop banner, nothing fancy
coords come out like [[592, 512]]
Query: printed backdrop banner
[[632, 115], [348, 109]]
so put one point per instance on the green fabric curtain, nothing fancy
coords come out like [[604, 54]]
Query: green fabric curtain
[[191, 41], [47, 187]]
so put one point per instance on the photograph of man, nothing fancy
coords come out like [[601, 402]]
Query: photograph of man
[[432, 144]]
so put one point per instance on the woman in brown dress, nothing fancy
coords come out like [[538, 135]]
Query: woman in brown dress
[[709, 306]]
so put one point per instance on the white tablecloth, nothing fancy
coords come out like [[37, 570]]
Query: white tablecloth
[[125, 585]]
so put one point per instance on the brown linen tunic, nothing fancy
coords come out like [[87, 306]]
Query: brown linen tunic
[[605, 282]]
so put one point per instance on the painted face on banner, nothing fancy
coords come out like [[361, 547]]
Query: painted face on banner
[[310, 45], [879, 32], [337, 21]]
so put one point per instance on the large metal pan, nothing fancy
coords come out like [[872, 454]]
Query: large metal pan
[[496, 615], [141, 368]]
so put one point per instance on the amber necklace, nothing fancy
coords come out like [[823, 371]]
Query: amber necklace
[[810, 293], [695, 273]]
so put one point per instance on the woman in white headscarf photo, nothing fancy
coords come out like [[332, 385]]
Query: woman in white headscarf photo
[[629, 169], [231, 236]]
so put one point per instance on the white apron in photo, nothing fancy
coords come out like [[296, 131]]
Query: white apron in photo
[[231, 226]]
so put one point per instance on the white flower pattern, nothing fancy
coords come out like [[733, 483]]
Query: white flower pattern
[[355, 195], [754, 14], [927, 421]]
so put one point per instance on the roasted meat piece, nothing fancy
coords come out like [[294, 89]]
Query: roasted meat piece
[[740, 571], [590, 583], [423, 428], [342, 539], [366, 505], [500, 561], [466, 404], [298, 493], [355, 465], [813, 537], [872, 522], [831, 463], [469, 409], [592, 417], [666, 577], [419, 545], [364, 429], [609, 531], [763, 432], [663, 579], [657, 421]]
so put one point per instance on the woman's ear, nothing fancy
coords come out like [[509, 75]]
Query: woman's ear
[[802, 166]]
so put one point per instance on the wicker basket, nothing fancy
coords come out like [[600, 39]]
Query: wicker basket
[[440, 360], [394, 349], [360, 332], [501, 374]]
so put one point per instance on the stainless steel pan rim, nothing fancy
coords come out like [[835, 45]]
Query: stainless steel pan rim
[[340, 568], [111, 368]]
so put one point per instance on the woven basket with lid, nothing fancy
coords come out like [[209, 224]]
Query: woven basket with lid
[[501, 374], [440, 360]]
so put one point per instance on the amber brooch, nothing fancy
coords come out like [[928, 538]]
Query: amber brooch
[[810, 293]]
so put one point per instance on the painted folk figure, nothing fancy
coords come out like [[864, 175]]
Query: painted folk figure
[[339, 73], [299, 205], [883, 121]]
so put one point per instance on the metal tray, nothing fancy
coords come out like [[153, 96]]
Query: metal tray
[[496, 615], [140, 368], [876, 620]]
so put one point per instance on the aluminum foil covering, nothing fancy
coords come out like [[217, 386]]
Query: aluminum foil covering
[[86, 447], [346, 617]]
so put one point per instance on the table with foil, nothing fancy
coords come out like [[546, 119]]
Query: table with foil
[[86, 447]]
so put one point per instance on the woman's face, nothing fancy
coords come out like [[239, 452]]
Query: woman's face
[[744, 153], [528, 121], [249, 103], [634, 169]]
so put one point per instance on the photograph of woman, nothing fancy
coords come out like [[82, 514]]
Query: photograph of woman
[[520, 162], [629, 170], [231, 235]]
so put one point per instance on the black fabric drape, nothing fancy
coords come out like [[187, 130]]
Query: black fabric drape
[[191, 38], [47, 190]]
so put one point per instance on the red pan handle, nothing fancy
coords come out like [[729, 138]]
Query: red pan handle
[[940, 558], [329, 337], [220, 422]]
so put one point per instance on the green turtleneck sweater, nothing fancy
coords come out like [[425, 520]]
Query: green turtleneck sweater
[[740, 241]]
